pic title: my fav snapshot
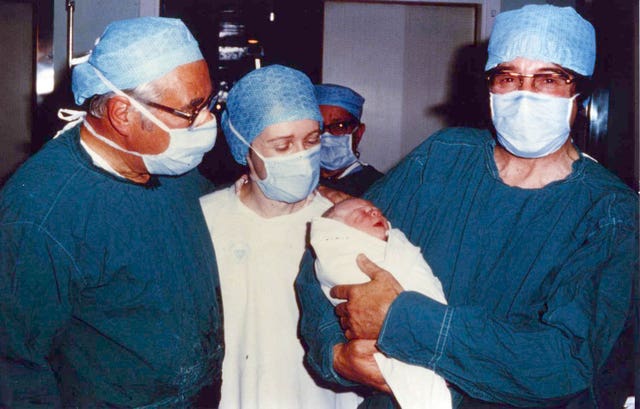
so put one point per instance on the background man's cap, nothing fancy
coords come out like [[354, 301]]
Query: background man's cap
[[133, 52], [343, 97]]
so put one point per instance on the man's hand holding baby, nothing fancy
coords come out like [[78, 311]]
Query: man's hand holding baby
[[362, 315], [354, 360]]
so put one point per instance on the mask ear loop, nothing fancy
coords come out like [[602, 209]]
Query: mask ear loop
[[72, 117], [491, 96], [133, 102], [110, 142], [571, 110], [241, 138], [356, 152]]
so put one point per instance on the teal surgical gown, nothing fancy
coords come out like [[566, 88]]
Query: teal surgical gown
[[538, 281], [108, 289], [356, 182]]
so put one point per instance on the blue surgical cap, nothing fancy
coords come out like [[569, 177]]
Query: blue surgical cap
[[264, 97], [547, 33], [133, 52], [343, 97]]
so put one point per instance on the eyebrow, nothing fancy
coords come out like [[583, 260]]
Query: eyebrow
[[189, 106], [279, 138], [555, 69], [197, 101], [341, 118], [289, 136], [194, 102]]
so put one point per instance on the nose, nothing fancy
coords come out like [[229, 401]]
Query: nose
[[526, 84], [298, 146]]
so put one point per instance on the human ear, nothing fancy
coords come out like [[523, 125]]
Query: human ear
[[119, 114]]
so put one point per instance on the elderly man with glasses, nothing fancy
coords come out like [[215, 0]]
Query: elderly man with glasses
[[536, 245], [340, 164], [108, 279]]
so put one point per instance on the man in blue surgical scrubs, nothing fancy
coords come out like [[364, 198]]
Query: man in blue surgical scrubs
[[108, 279], [536, 244], [341, 167]]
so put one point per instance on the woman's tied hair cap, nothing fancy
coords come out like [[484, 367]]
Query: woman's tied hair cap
[[264, 97], [133, 52], [547, 33], [340, 96]]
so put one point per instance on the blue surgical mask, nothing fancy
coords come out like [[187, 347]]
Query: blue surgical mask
[[185, 151], [187, 146], [336, 151], [530, 124], [290, 178]]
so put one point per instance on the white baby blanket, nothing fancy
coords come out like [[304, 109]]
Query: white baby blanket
[[336, 246]]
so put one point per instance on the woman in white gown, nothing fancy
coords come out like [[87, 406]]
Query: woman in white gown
[[272, 124]]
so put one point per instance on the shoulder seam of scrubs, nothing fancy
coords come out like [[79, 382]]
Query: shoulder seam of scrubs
[[48, 234], [610, 221], [55, 201], [613, 217], [442, 337]]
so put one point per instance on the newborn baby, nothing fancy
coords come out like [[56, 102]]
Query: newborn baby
[[356, 226]]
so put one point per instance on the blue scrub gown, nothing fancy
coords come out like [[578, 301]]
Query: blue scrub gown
[[108, 289], [538, 281]]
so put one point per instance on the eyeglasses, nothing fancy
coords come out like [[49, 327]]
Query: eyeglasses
[[549, 83], [190, 116], [342, 127]]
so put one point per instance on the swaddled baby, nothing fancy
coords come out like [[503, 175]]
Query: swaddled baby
[[356, 226]]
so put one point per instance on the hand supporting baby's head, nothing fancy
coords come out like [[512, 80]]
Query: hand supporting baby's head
[[362, 215]]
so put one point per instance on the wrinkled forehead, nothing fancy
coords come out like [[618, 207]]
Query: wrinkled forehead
[[525, 65], [333, 113]]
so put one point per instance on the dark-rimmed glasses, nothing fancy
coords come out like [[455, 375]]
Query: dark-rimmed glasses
[[190, 116], [342, 127], [553, 83]]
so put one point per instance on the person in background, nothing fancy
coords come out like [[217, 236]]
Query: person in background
[[341, 169], [536, 245], [108, 280], [258, 226]]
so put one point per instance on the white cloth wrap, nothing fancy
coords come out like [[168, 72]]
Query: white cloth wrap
[[336, 246]]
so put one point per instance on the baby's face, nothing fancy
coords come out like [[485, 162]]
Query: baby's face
[[362, 215]]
